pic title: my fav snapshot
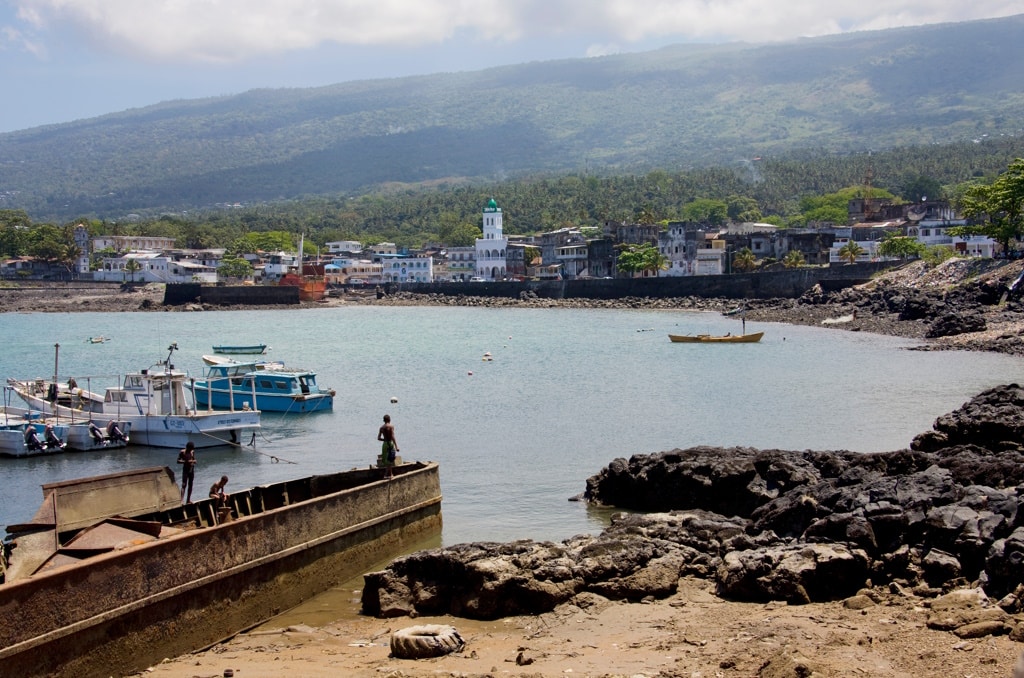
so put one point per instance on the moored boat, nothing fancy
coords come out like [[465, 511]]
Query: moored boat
[[268, 387], [224, 360], [152, 400], [24, 433], [713, 339], [127, 575], [245, 349], [77, 436]]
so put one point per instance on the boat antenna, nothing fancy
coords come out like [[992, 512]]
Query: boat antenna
[[170, 351]]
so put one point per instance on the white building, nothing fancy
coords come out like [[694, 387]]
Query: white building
[[153, 267], [126, 243], [408, 269], [344, 246], [277, 264], [490, 249], [343, 269]]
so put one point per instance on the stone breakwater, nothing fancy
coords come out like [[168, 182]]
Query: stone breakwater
[[769, 525]]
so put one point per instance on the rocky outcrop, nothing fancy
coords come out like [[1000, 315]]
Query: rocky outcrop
[[764, 525]]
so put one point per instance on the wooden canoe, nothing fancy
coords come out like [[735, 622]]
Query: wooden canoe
[[712, 339]]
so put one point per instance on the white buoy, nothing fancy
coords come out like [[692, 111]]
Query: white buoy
[[470, 373], [394, 399]]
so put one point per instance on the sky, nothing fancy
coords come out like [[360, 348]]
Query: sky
[[65, 60]]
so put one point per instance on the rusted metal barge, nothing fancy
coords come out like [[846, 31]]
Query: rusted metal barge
[[114, 573]]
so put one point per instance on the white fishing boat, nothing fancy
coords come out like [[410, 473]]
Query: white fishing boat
[[152, 401], [24, 433], [76, 435]]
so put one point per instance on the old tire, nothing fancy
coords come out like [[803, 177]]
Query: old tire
[[421, 642]]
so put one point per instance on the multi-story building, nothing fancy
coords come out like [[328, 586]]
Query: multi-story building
[[490, 249], [461, 263]]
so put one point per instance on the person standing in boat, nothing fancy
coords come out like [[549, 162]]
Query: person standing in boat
[[389, 445], [187, 459]]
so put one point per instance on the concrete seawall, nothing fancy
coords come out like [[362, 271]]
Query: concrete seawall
[[790, 283]]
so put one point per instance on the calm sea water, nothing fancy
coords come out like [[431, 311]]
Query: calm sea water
[[566, 392]]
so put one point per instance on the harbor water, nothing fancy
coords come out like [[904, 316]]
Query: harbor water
[[519, 406]]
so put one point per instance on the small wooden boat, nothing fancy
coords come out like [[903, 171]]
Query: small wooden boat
[[712, 339], [252, 349]]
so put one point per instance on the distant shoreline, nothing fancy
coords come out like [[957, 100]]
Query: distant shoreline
[[1001, 336]]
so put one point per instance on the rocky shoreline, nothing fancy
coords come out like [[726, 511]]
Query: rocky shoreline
[[724, 562], [766, 525]]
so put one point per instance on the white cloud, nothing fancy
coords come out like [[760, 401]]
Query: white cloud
[[229, 31]]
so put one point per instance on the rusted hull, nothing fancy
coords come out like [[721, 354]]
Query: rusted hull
[[123, 611]]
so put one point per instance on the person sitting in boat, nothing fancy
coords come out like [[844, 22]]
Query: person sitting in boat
[[51, 439], [97, 433], [114, 432], [32, 440], [217, 492]]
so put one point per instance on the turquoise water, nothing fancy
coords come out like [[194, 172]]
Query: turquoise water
[[566, 392]]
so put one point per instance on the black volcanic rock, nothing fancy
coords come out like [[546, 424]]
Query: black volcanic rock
[[763, 524]]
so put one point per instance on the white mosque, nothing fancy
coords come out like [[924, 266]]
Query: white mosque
[[490, 249]]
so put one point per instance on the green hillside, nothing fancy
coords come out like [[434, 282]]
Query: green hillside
[[676, 108]]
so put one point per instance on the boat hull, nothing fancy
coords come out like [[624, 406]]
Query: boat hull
[[124, 611], [202, 428], [12, 441], [711, 339], [255, 349], [220, 399]]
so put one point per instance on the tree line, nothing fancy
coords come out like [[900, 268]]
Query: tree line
[[791, 191]]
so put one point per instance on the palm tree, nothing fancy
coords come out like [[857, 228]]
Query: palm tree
[[131, 266], [745, 260], [850, 251], [794, 259]]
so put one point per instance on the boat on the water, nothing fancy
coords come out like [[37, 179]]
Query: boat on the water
[[268, 387], [247, 349], [24, 433], [98, 339], [114, 573], [153, 401], [77, 436], [224, 360], [713, 339]]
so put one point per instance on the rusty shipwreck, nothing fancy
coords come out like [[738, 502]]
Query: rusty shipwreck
[[114, 573]]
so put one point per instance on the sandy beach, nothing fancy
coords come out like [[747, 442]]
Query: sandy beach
[[692, 633]]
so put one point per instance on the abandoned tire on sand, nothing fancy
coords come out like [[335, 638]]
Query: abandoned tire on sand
[[421, 642]]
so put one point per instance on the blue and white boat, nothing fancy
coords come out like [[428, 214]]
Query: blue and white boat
[[266, 386]]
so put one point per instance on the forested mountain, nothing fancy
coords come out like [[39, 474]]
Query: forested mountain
[[674, 109]]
